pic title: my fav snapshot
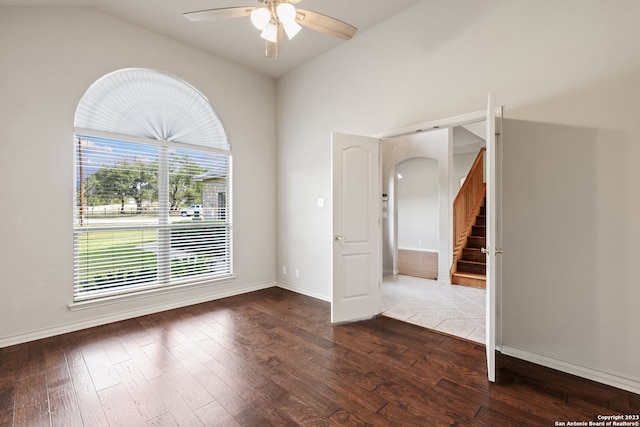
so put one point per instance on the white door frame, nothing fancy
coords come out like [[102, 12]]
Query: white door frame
[[457, 121], [462, 119]]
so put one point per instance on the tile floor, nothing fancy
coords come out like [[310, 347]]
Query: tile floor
[[452, 309]]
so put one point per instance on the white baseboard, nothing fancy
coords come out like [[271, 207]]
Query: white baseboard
[[614, 380], [432, 251], [445, 280], [303, 291], [124, 315]]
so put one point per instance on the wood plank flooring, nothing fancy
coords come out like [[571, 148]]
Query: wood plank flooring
[[273, 358], [418, 264]]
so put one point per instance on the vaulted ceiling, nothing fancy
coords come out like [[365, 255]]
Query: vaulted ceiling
[[237, 39]]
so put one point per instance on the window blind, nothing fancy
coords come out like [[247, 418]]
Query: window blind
[[152, 186], [150, 104], [148, 216]]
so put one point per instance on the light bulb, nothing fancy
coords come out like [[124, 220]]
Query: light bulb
[[286, 13], [291, 28], [260, 17]]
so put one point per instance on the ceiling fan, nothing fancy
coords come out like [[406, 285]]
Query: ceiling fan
[[275, 17]]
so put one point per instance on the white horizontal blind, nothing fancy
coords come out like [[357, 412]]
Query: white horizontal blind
[[152, 186], [126, 239], [150, 104]]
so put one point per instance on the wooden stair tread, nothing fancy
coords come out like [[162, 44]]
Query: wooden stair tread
[[470, 275], [478, 231], [468, 261], [476, 242], [472, 267], [469, 279], [473, 254]]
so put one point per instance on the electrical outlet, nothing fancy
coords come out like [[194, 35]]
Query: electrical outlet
[[284, 270], [297, 273]]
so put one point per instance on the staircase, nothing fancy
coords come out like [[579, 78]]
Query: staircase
[[471, 268], [469, 229]]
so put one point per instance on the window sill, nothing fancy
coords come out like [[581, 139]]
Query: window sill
[[147, 293]]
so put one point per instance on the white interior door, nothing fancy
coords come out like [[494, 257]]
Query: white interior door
[[492, 248], [357, 269]]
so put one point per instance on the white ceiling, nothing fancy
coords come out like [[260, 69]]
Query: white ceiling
[[237, 39]]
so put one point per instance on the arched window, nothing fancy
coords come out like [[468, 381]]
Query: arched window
[[152, 189]]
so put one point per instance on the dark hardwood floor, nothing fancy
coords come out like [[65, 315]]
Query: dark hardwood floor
[[273, 358]]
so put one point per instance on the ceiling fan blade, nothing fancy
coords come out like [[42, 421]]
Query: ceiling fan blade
[[271, 49], [218, 14], [294, 1], [325, 24]]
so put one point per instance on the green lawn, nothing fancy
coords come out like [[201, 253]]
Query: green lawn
[[103, 257], [102, 240], [109, 259]]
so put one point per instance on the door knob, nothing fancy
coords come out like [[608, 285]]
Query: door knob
[[486, 250], [338, 238]]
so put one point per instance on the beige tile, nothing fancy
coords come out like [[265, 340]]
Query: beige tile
[[474, 312], [478, 335], [432, 318], [458, 327], [453, 309], [399, 312]]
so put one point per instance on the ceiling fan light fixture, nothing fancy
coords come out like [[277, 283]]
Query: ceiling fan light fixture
[[274, 18], [286, 13], [260, 17], [291, 28]]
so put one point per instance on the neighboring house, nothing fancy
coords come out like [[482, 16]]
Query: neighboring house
[[214, 194]]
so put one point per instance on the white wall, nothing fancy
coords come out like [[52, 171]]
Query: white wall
[[568, 75], [418, 205], [461, 165], [50, 56]]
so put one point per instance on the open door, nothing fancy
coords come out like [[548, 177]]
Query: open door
[[357, 269], [492, 248]]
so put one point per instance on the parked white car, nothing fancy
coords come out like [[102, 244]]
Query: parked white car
[[191, 210]]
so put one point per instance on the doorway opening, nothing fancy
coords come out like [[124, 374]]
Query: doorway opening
[[426, 170], [361, 228]]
